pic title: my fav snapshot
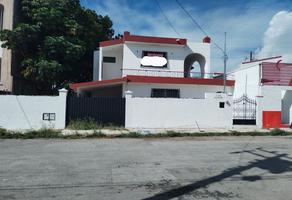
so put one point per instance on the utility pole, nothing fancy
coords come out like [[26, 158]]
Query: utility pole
[[225, 63]]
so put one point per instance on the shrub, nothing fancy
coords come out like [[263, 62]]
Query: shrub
[[83, 124], [4, 133], [42, 133], [276, 132], [91, 124]]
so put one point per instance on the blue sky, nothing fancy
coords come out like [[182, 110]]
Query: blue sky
[[246, 22]]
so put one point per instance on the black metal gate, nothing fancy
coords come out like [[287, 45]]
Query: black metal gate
[[244, 111], [104, 110]]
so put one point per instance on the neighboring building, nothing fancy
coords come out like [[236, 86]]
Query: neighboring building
[[7, 20], [267, 84], [118, 68]]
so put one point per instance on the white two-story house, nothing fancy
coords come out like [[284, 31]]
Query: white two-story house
[[152, 67]]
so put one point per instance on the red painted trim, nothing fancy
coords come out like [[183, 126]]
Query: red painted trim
[[171, 80], [262, 59], [272, 119], [154, 79], [111, 42], [161, 40], [75, 86], [285, 125], [143, 39]]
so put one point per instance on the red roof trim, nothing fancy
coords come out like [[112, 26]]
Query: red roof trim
[[262, 59], [154, 79], [75, 86], [111, 42], [144, 39]]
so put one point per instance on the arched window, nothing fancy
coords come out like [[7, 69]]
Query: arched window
[[194, 62]]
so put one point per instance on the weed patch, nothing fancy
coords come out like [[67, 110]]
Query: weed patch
[[91, 124]]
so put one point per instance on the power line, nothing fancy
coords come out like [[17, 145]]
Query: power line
[[197, 24], [167, 19]]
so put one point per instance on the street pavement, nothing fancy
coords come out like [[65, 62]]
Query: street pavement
[[252, 168]]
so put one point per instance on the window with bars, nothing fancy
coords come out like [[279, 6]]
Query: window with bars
[[1, 28], [165, 93]]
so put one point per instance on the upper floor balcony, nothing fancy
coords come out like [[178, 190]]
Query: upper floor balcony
[[169, 73]]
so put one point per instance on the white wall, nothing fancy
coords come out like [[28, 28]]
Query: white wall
[[179, 113], [96, 63], [205, 50], [270, 100], [112, 70], [186, 91], [247, 80], [26, 112], [175, 54]]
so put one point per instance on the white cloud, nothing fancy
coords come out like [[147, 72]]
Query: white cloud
[[245, 28], [277, 39]]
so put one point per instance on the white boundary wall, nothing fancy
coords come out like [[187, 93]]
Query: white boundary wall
[[26, 112], [148, 113]]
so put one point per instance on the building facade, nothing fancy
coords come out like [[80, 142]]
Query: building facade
[[8, 17], [131, 63], [269, 83]]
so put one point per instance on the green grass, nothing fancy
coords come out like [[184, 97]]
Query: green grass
[[90, 124], [169, 134], [50, 133], [42, 133]]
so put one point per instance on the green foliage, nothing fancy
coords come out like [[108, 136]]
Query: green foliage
[[83, 124], [55, 40], [43, 133], [91, 124], [50, 133], [278, 132]]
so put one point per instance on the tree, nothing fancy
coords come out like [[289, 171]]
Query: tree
[[54, 42]]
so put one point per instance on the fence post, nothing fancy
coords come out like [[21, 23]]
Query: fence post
[[63, 98], [128, 94], [128, 110]]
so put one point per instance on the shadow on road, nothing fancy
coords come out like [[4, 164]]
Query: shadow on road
[[276, 163]]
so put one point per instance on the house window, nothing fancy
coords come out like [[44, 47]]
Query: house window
[[222, 105], [154, 53], [165, 93], [1, 16], [109, 59]]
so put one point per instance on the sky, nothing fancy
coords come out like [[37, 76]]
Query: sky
[[261, 26]]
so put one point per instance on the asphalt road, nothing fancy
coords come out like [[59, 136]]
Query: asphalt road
[[147, 169]]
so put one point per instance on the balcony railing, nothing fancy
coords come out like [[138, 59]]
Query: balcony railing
[[168, 73]]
